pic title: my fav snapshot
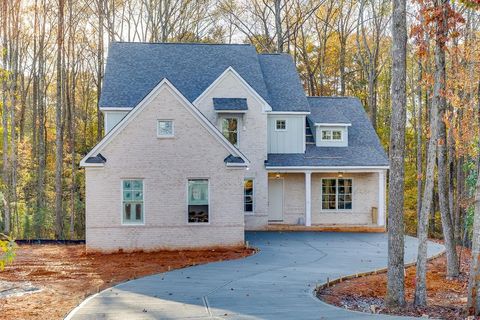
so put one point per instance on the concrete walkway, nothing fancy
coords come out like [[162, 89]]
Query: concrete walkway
[[276, 283]]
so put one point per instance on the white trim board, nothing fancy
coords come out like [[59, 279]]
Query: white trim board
[[326, 124], [327, 169], [145, 101], [230, 70], [290, 112]]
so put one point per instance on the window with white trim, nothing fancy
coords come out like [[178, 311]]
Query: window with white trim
[[165, 128], [332, 135], [198, 201], [281, 125], [248, 199], [337, 194], [132, 201], [230, 130]]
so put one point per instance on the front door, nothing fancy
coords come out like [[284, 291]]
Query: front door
[[275, 199]]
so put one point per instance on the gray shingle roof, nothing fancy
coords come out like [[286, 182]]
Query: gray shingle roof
[[134, 69], [233, 159], [283, 83], [220, 104], [99, 158], [364, 148]]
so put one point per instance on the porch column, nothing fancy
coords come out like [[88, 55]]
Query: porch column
[[381, 198], [308, 198]]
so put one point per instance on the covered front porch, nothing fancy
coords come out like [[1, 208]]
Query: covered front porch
[[336, 199]]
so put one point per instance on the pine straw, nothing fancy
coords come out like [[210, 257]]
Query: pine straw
[[446, 299], [66, 274]]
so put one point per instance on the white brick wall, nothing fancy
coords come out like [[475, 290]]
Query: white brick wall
[[164, 165], [365, 196], [253, 140]]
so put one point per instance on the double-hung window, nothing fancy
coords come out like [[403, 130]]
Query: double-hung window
[[337, 194], [198, 201], [248, 200], [230, 130], [132, 201]]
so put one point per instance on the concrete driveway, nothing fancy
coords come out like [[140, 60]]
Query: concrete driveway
[[276, 283]]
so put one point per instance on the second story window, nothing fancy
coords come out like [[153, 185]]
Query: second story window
[[335, 135], [281, 125], [230, 130]]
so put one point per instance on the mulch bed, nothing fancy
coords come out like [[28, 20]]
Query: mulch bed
[[446, 299], [47, 281]]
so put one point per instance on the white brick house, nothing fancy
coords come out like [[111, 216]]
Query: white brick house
[[203, 142]]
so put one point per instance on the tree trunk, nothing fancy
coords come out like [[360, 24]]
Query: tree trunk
[[278, 25], [341, 62], [438, 96], [5, 175], [395, 274], [443, 170], [101, 13], [419, 138], [473, 302], [59, 128]]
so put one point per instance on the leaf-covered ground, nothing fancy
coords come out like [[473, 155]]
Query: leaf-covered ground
[[446, 298], [47, 281]]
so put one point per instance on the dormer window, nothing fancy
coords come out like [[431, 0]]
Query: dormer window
[[332, 135]]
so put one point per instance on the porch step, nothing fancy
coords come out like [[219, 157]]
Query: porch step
[[326, 228]]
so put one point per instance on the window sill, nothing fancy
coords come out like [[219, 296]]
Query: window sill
[[249, 213], [165, 137], [198, 223], [133, 224]]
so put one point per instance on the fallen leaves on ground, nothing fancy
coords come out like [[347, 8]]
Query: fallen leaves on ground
[[446, 299], [65, 275]]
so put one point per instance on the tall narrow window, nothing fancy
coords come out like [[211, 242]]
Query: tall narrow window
[[329, 189], [248, 195], [198, 201], [345, 194], [230, 130], [337, 194], [132, 197]]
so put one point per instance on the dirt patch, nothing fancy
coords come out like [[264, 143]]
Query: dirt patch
[[447, 299], [61, 276]]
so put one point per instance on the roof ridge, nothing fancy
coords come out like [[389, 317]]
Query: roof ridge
[[333, 97], [185, 43]]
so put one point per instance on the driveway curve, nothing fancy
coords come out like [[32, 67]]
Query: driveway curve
[[276, 283]]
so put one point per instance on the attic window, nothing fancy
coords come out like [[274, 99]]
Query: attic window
[[332, 135], [165, 128], [281, 125]]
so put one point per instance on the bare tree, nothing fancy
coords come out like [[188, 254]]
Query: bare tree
[[59, 126], [373, 19], [396, 282]]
